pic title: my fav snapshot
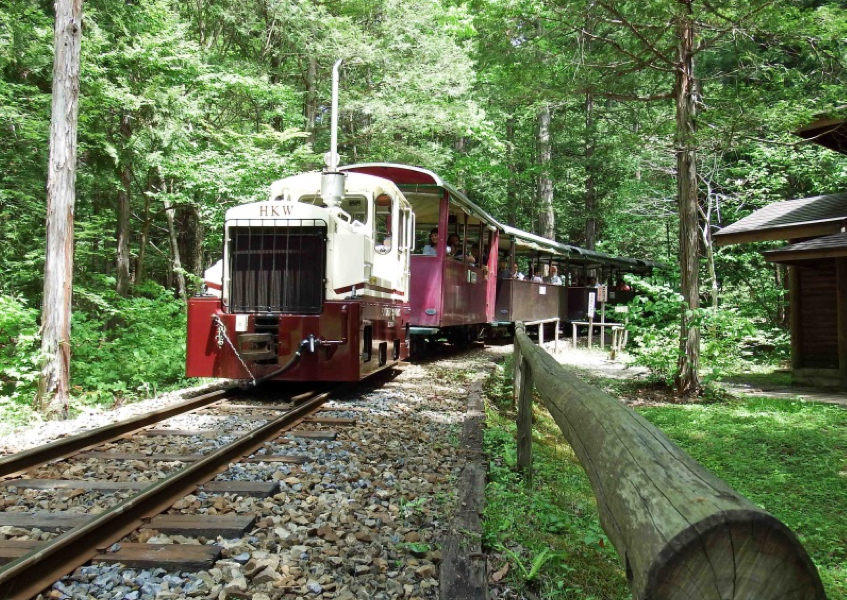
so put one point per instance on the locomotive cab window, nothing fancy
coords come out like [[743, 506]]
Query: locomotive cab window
[[383, 234], [356, 207]]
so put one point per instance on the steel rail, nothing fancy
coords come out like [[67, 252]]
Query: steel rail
[[15, 464], [30, 574]]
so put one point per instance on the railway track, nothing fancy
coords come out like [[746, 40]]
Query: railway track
[[63, 540]]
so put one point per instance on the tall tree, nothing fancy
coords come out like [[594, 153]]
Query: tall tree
[[684, 93], [61, 195], [648, 46], [544, 188]]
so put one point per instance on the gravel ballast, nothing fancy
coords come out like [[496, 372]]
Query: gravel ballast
[[361, 518]]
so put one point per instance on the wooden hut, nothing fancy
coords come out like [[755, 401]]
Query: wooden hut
[[816, 256]]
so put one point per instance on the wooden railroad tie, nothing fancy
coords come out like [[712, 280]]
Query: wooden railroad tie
[[280, 407], [180, 457], [258, 489], [327, 435], [339, 421], [173, 557], [210, 526], [210, 433]]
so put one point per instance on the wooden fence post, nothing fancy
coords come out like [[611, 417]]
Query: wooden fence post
[[681, 532], [517, 377], [556, 337], [525, 422]]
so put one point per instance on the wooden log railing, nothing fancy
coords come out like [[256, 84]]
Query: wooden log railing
[[681, 532]]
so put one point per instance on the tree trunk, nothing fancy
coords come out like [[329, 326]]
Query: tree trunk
[[460, 148], [176, 263], [512, 185], [311, 108], [145, 233], [782, 285], [590, 191], [195, 242], [123, 259], [546, 218], [54, 382], [687, 376]]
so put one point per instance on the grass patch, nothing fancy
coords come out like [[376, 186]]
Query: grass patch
[[786, 456], [549, 536]]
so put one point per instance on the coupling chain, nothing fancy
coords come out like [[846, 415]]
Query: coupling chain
[[222, 336]]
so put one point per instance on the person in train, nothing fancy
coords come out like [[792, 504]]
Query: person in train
[[471, 256], [431, 249], [514, 273], [592, 282], [554, 278], [454, 245], [503, 270]]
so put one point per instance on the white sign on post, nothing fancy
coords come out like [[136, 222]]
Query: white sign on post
[[592, 299]]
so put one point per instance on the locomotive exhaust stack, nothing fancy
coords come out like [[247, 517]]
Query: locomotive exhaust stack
[[332, 182]]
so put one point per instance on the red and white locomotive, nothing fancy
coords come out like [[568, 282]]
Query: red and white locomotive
[[314, 284]]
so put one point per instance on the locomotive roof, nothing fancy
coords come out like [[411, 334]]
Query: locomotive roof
[[310, 184], [417, 180]]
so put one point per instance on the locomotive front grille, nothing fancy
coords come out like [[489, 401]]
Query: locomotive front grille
[[278, 268]]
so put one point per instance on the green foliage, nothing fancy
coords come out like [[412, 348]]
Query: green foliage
[[215, 95], [143, 337], [19, 349], [727, 336]]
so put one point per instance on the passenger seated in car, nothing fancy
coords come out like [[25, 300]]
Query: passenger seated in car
[[503, 270], [454, 245], [431, 249], [554, 278], [514, 274], [472, 255]]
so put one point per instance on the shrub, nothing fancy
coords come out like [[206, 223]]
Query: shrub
[[19, 349], [727, 338], [127, 347]]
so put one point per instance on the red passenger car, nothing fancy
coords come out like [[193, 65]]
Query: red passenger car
[[453, 292]]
